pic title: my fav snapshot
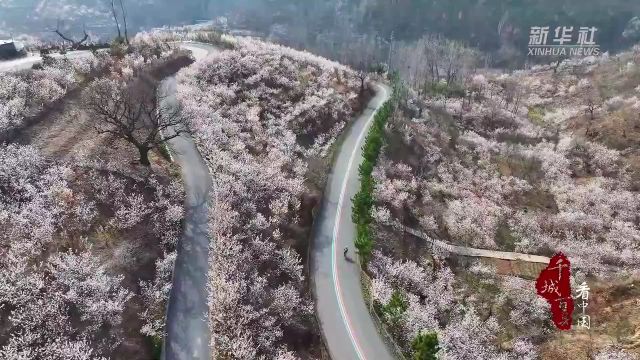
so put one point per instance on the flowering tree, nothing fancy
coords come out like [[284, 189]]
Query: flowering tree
[[522, 180], [69, 303], [259, 113]]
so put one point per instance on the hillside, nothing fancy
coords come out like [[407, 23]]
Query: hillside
[[328, 27], [265, 119], [537, 161]]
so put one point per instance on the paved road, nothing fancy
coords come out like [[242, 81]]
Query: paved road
[[187, 325], [347, 327], [27, 62]]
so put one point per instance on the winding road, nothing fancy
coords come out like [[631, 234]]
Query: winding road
[[187, 324], [347, 327]]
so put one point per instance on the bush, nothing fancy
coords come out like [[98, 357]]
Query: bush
[[396, 307], [156, 347], [425, 346], [215, 38], [452, 90], [165, 152], [536, 115], [117, 49], [363, 200], [379, 68]]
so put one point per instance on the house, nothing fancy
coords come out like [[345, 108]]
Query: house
[[10, 49]]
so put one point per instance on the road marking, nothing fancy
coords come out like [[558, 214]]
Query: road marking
[[335, 234]]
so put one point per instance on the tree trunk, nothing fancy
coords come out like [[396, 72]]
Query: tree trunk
[[144, 155], [124, 20], [115, 18]]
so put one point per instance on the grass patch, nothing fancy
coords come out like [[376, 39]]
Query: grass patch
[[519, 166], [105, 238], [215, 38], [536, 115], [517, 139], [505, 239], [444, 89]]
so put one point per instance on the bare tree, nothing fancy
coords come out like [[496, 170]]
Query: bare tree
[[124, 21], [591, 104], [361, 54], [513, 94], [74, 44], [557, 62], [433, 58], [115, 18], [134, 111], [591, 100]]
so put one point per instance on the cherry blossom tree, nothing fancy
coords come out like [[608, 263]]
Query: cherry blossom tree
[[259, 113], [66, 304]]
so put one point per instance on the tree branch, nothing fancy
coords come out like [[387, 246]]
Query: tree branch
[[74, 44]]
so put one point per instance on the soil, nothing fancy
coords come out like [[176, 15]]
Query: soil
[[614, 310]]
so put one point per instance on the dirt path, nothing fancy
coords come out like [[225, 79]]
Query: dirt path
[[65, 131], [473, 252]]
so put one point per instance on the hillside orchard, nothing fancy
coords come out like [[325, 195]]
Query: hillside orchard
[[67, 241], [87, 240], [261, 113], [532, 162]]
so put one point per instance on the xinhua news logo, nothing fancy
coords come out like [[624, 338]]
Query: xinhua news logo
[[563, 42]]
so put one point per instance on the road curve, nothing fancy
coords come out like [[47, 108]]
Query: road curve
[[187, 324], [347, 327]]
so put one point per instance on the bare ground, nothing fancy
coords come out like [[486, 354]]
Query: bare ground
[[615, 319]]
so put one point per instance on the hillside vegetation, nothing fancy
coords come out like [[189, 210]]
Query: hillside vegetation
[[265, 118], [538, 161], [87, 238]]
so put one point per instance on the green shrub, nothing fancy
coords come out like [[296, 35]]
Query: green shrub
[[536, 115], [156, 347], [362, 202], [378, 68], [163, 149], [425, 346], [396, 306]]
